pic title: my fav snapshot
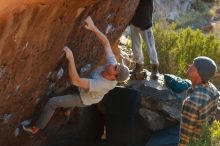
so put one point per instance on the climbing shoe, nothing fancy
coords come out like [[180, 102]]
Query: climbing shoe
[[138, 75], [32, 130], [154, 71], [138, 68]]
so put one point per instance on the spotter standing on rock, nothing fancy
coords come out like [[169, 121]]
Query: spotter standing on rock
[[141, 26], [91, 90]]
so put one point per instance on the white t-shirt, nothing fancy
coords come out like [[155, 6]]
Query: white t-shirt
[[98, 86]]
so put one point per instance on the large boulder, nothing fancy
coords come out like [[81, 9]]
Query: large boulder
[[32, 63], [160, 107]]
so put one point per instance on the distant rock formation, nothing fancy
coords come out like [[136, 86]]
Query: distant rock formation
[[171, 9]]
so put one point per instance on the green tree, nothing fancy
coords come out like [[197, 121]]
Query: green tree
[[177, 48]]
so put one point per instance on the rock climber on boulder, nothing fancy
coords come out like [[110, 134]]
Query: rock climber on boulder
[[92, 89]]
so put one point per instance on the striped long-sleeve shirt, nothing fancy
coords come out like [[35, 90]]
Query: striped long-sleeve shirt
[[198, 108]]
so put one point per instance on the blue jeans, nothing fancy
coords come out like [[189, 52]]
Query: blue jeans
[[147, 35], [65, 101], [165, 137]]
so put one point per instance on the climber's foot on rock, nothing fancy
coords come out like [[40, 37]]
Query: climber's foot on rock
[[32, 130], [138, 75]]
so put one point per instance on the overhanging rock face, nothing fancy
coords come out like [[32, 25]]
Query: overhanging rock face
[[32, 63]]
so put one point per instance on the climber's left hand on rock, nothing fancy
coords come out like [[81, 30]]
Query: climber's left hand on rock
[[69, 53]]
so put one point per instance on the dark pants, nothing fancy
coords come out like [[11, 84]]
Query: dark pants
[[66, 101]]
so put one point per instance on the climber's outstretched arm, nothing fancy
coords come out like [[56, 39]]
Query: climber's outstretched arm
[[74, 76], [102, 38]]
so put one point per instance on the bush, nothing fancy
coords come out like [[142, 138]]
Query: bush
[[210, 1], [215, 133], [176, 49], [205, 139], [210, 136], [190, 18]]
